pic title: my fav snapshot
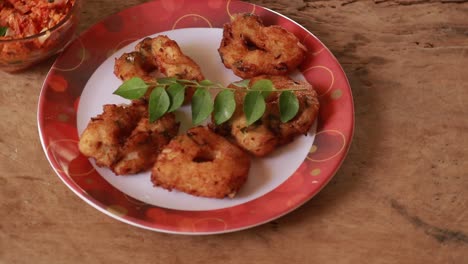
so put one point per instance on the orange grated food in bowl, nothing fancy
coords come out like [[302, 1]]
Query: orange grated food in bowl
[[24, 18], [34, 30]]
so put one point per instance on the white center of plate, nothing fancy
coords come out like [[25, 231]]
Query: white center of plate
[[201, 44]]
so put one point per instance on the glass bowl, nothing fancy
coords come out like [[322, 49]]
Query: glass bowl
[[21, 53]]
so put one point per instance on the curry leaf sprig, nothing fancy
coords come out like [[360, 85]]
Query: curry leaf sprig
[[168, 95]]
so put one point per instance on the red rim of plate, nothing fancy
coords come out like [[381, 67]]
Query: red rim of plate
[[64, 83]]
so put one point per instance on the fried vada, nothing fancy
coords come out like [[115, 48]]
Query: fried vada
[[251, 49], [142, 147], [159, 55], [123, 139], [106, 132], [134, 64], [268, 133], [201, 163]]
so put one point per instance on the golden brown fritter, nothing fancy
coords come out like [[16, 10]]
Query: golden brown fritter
[[265, 135], [256, 139], [133, 64], [172, 62], [201, 163], [145, 143], [144, 48], [158, 54], [122, 138], [106, 133], [250, 49], [302, 122]]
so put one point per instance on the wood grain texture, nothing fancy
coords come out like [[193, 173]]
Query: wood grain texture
[[399, 197]]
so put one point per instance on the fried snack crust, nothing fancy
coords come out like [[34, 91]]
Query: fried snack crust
[[133, 64], [251, 49], [265, 135], [159, 53], [171, 61], [201, 163], [106, 132], [123, 139], [141, 149], [256, 139]]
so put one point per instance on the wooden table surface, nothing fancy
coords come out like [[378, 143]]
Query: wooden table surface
[[399, 197]]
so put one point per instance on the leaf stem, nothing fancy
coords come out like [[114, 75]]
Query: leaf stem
[[166, 83], [168, 96]]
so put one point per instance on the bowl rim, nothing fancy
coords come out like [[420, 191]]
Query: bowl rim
[[49, 30]]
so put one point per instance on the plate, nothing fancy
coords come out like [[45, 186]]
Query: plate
[[201, 45], [81, 81]]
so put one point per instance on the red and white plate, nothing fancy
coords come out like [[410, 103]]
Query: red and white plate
[[81, 81]]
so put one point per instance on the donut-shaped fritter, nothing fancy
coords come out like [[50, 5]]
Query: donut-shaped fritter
[[104, 134], [265, 135], [123, 139], [158, 55], [170, 59], [250, 49], [201, 163], [142, 147]]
